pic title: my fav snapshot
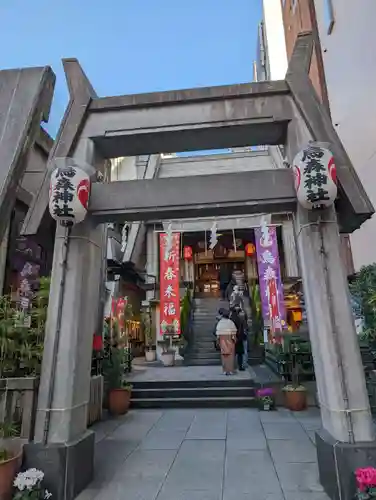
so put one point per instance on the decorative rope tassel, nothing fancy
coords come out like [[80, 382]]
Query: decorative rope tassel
[[234, 240]]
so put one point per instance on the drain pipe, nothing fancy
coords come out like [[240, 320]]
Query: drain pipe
[[345, 397], [56, 343]]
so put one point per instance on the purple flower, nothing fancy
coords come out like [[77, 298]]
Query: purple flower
[[267, 391]]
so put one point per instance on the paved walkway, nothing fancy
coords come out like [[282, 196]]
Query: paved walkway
[[143, 373], [239, 454]]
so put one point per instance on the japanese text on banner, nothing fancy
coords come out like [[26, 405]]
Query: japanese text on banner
[[169, 285], [271, 289]]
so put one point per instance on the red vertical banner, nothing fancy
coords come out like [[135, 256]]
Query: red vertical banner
[[118, 310], [169, 285]]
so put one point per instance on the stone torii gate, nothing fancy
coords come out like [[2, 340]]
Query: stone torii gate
[[95, 129]]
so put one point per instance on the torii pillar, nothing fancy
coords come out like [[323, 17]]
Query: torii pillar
[[63, 447], [347, 440]]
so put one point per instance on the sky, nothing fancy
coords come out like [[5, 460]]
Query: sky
[[132, 46]]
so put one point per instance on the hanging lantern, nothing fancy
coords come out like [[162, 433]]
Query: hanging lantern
[[250, 249], [315, 177], [69, 195], [97, 343], [188, 253]]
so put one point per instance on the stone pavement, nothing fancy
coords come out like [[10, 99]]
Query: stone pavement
[[234, 454], [144, 373]]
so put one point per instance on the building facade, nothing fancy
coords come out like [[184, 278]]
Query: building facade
[[340, 56], [347, 38], [23, 259], [300, 16], [271, 55], [201, 272]]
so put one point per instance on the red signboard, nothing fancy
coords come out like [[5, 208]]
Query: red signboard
[[169, 285]]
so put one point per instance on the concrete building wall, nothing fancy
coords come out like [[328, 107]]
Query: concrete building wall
[[299, 16], [350, 71], [216, 164], [36, 164]]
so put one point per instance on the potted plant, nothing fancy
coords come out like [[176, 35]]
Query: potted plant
[[366, 483], [10, 458], [295, 393], [119, 395], [150, 354], [29, 485], [168, 353], [265, 399]]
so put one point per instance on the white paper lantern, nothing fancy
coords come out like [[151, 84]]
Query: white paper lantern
[[69, 195], [315, 177]]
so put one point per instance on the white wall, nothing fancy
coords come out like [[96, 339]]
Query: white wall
[[275, 39], [349, 54]]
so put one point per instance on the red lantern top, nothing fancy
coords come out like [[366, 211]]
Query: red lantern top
[[188, 253], [97, 343], [250, 249]]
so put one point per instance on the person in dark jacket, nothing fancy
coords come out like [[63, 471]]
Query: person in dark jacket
[[224, 279], [241, 336]]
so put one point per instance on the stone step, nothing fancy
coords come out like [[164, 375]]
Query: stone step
[[187, 384], [201, 362], [215, 402], [203, 355], [193, 392]]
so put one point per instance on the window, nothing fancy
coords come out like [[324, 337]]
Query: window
[[329, 15]]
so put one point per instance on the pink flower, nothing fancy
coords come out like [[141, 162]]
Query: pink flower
[[365, 478], [261, 393]]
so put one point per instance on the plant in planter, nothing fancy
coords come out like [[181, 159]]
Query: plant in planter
[[29, 485], [150, 354], [256, 314], [265, 398], [366, 483], [10, 458], [22, 334], [295, 393], [168, 353], [119, 396]]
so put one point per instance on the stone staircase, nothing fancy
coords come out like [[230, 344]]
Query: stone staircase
[[202, 351], [226, 393]]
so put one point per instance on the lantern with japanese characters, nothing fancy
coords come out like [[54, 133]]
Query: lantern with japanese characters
[[69, 194], [250, 249], [315, 177], [188, 253]]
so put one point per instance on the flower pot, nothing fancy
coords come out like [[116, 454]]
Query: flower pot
[[296, 400], [267, 406], [8, 471], [168, 358], [150, 356], [119, 401]]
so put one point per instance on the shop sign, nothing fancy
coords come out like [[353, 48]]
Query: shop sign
[[271, 289], [169, 285]]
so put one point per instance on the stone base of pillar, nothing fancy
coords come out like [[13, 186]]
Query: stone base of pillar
[[68, 468], [337, 463]]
